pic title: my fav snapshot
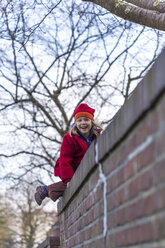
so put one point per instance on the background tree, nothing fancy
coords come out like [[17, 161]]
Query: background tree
[[23, 224], [54, 56], [6, 234], [150, 13]]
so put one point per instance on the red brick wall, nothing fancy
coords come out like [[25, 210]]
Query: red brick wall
[[117, 196]]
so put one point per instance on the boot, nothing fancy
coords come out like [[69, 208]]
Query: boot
[[41, 194]]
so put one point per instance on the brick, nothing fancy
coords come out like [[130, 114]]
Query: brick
[[110, 164], [159, 228], [159, 172], [142, 208], [98, 209], [148, 127], [160, 144], [135, 235], [88, 218], [111, 220], [128, 171], [89, 201], [110, 240], [110, 202], [95, 243], [93, 180]]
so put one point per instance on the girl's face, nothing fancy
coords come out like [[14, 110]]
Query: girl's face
[[84, 125]]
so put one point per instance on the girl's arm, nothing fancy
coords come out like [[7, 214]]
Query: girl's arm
[[66, 159]]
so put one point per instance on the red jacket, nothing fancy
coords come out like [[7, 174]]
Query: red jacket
[[72, 151]]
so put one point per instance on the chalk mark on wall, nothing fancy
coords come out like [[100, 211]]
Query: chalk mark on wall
[[102, 179]]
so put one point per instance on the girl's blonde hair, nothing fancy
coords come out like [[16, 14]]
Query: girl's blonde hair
[[96, 129]]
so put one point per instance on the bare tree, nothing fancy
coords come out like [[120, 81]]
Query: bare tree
[[6, 235], [53, 57], [33, 223], [150, 13], [23, 224]]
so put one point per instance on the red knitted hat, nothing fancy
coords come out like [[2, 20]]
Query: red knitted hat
[[83, 110]]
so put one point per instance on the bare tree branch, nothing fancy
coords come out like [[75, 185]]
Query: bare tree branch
[[141, 15]]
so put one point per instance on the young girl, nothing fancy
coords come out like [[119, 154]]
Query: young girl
[[73, 148]]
